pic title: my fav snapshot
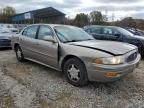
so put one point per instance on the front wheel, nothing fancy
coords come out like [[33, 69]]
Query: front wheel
[[19, 54], [75, 72], [140, 48]]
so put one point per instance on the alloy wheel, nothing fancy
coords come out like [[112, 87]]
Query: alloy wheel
[[73, 73]]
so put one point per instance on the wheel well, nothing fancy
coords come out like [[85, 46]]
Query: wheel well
[[15, 45], [67, 58]]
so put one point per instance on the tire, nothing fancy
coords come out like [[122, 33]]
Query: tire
[[141, 53], [19, 54], [79, 78], [140, 48]]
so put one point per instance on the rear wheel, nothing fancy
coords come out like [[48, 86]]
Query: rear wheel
[[19, 54], [75, 72]]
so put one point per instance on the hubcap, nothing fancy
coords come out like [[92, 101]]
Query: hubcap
[[19, 53], [73, 73]]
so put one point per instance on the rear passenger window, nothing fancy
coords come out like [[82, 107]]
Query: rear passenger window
[[30, 31], [108, 31], [96, 30]]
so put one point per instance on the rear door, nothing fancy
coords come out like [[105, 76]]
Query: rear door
[[96, 32], [28, 41], [47, 51]]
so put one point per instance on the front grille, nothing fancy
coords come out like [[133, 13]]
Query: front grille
[[132, 57], [5, 42]]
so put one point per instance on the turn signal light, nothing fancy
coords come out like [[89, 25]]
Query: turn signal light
[[98, 61], [111, 74]]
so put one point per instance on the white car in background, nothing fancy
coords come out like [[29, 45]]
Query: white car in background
[[10, 26]]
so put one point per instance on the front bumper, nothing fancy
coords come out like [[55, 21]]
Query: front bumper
[[98, 72], [5, 43]]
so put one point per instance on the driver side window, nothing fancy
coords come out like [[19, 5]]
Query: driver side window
[[96, 30], [44, 31]]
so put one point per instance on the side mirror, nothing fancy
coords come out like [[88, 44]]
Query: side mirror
[[49, 38]]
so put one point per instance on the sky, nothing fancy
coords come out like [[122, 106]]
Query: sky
[[114, 9]]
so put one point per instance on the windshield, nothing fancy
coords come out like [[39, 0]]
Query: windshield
[[71, 34], [125, 32]]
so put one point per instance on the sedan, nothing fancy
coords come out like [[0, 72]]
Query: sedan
[[73, 51], [5, 38], [114, 33], [136, 31]]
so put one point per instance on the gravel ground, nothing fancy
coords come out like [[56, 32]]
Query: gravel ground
[[30, 85]]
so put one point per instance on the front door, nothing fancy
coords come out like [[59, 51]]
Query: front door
[[48, 51], [110, 34]]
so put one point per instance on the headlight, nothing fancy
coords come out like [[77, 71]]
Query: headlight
[[111, 60]]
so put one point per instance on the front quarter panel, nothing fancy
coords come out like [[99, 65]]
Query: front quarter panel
[[96, 72], [87, 55]]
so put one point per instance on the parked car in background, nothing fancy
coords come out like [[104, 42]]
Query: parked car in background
[[5, 37], [10, 26], [76, 53], [135, 31], [20, 26], [114, 33]]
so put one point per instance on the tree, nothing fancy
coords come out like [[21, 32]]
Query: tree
[[128, 22], [81, 20], [9, 11], [69, 21], [6, 14], [96, 17], [140, 23]]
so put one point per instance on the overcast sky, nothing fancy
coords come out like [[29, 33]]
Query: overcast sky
[[116, 8]]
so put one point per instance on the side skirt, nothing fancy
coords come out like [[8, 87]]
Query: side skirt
[[57, 69]]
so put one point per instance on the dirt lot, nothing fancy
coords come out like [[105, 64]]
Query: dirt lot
[[29, 85]]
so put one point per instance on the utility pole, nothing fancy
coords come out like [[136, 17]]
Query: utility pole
[[113, 16], [106, 14]]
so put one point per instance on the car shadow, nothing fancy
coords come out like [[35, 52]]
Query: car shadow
[[46, 69], [4, 49]]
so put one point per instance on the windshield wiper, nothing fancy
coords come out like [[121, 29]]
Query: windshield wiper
[[88, 39], [71, 41], [77, 40]]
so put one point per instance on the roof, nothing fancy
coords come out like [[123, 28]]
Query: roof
[[47, 12], [40, 13], [53, 25], [89, 26]]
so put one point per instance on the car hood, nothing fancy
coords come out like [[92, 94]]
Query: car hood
[[113, 48], [5, 36], [13, 28]]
